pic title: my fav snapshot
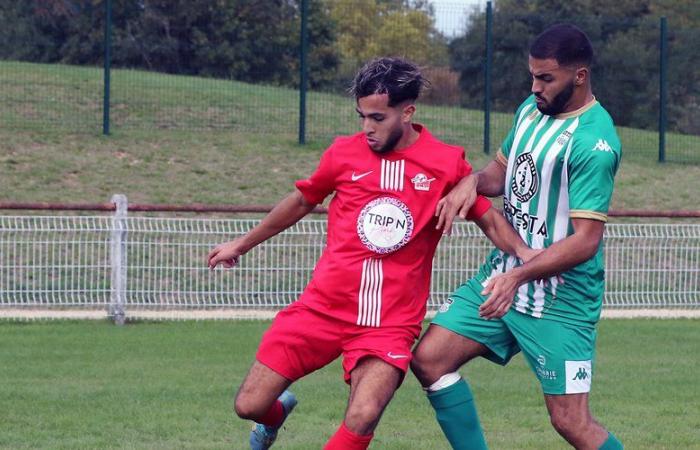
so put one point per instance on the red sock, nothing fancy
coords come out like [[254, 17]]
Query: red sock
[[344, 439], [273, 416]]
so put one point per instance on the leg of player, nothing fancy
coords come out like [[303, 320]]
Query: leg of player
[[372, 385], [263, 399], [572, 419], [437, 357]]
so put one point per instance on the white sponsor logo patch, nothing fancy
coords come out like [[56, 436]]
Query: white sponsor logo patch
[[385, 225], [421, 182], [395, 356], [446, 305], [563, 138], [578, 376]]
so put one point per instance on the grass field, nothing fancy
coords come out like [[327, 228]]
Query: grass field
[[255, 160], [69, 385]]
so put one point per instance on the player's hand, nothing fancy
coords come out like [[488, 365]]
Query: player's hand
[[456, 203], [227, 254], [501, 291]]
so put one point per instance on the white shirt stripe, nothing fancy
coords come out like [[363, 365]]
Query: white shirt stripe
[[392, 175], [542, 208], [369, 309]]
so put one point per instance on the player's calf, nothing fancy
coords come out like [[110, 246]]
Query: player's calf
[[571, 418]]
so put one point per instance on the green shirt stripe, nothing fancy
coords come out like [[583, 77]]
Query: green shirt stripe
[[556, 165]]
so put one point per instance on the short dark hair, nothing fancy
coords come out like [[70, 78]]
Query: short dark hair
[[401, 80], [564, 42]]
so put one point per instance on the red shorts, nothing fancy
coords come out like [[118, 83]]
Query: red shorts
[[301, 340]]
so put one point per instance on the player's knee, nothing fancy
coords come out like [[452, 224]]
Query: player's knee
[[247, 409], [567, 423], [363, 418], [425, 368]]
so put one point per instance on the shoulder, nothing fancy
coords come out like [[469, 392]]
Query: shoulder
[[596, 132], [442, 149], [347, 146]]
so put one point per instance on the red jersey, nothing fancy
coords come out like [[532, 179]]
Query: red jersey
[[375, 269]]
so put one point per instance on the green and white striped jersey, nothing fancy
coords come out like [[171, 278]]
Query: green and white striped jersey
[[558, 168]]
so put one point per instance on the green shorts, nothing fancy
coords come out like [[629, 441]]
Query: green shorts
[[560, 354]]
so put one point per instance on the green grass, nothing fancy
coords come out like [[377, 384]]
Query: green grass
[[184, 139], [68, 385]]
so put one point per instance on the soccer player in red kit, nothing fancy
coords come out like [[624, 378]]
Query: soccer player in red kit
[[368, 293]]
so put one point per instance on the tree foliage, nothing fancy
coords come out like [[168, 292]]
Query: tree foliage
[[367, 29], [250, 40], [625, 37]]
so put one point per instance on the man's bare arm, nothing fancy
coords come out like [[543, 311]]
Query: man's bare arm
[[488, 181], [503, 236], [285, 214]]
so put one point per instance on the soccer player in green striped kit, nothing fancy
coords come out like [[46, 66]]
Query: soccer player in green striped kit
[[555, 171]]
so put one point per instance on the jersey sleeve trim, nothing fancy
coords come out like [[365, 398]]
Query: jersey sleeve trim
[[501, 158], [582, 214]]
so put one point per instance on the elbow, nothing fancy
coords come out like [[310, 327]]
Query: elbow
[[589, 249], [301, 200]]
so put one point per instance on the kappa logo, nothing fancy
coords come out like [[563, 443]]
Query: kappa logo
[[421, 182], [580, 375], [357, 177], [525, 182], [602, 146], [395, 356]]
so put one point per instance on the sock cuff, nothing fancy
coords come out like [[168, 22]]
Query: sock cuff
[[444, 381], [363, 438], [450, 396], [274, 416], [611, 443]]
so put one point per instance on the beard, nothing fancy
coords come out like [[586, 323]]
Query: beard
[[556, 106], [391, 141]]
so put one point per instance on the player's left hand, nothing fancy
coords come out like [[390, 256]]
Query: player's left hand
[[502, 290]]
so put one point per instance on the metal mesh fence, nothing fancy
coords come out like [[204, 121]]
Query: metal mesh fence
[[68, 262], [195, 66]]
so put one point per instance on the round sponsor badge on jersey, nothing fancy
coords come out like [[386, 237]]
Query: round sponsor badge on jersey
[[385, 225]]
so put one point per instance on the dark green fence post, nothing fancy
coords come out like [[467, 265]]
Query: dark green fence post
[[107, 66], [487, 77], [303, 75], [663, 61]]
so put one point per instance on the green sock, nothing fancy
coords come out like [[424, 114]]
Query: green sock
[[456, 413], [611, 444]]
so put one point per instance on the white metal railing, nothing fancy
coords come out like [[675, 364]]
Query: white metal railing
[[127, 266]]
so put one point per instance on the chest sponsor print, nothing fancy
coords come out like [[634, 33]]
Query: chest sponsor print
[[385, 225]]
